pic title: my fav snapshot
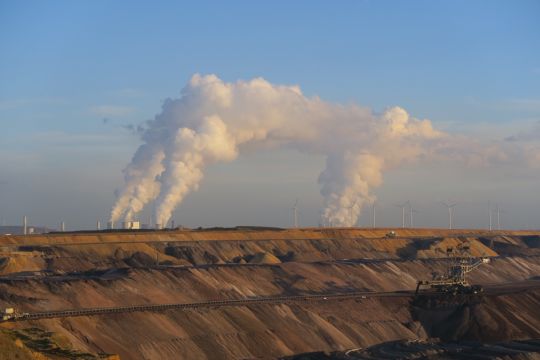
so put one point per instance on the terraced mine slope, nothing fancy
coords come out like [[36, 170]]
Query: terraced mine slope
[[288, 288]]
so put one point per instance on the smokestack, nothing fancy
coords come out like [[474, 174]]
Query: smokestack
[[62, 226], [98, 225], [110, 225], [25, 225]]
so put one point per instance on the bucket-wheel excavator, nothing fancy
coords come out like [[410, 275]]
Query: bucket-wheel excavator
[[454, 281]]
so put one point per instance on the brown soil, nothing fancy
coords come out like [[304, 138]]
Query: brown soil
[[93, 270]]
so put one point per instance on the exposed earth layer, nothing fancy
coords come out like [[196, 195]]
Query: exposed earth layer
[[108, 269]]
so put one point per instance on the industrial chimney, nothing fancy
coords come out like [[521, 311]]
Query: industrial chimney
[[25, 229]]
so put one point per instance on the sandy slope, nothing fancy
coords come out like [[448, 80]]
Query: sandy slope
[[260, 263]]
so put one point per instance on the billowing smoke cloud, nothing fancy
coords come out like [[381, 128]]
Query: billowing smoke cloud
[[214, 121]]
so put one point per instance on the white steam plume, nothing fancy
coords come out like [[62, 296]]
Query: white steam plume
[[214, 121]]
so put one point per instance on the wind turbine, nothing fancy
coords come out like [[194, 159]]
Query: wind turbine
[[499, 211], [295, 213], [450, 213], [411, 212], [498, 218], [403, 206], [490, 220]]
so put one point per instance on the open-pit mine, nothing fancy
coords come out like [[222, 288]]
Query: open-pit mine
[[265, 293]]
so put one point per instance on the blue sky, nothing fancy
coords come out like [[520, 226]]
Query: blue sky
[[75, 74]]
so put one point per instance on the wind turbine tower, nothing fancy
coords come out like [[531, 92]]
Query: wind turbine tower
[[450, 214], [490, 220], [412, 211], [498, 218], [410, 215], [295, 213], [403, 206]]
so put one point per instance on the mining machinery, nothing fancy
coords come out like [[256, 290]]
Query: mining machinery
[[454, 280]]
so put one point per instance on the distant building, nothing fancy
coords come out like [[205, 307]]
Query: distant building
[[132, 225], [19, 230]]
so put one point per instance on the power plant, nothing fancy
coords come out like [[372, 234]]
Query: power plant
[[131, 225]]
